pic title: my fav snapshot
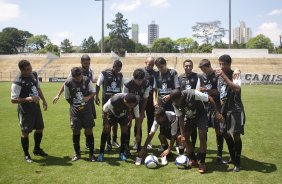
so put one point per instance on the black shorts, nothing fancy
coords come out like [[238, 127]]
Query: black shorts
[[165, 132], [82, 119], [113, 120], [201, 123], [234, 123], [31, 120]]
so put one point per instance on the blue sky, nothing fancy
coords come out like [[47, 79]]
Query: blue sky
[[76, 20]]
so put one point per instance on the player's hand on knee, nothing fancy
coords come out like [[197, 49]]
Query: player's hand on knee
[[219, 117]]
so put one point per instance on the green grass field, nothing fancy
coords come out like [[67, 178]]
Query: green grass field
[[261, 156]]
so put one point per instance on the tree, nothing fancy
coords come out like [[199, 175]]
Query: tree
[[236, 45], [89, 45], [119, 34], [164, 45], [49, 48], [66, 46], [208, 31], [12, 40], [184, 43], [220, 45], [38, 41], [139, 48], [204, 48], [260, 42]]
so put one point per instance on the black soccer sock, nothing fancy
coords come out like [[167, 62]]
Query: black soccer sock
[[219, 141], [192, 156], [238, 150], [25, 145], [109, 139], [128, 136], [86, 143], [123, 139], [114, 138], [202, 158], [230, 144], [37, 140], [104, 137], [194, 138], [90, 142], [76, 145]]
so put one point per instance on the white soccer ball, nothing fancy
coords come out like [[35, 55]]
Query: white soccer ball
[[151, 162], [182, 161]]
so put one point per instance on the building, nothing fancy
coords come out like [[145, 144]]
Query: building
[[242, 34], [135, 33], [153, 32]]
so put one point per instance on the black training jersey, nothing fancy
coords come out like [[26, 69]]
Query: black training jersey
[[139, 91], [117, 107], [210, 82], [231, 100], [23, 87], [150, 76], [112, 84], [88, 73], [166, 82], [75, 91], [188, 81], [193, 104]]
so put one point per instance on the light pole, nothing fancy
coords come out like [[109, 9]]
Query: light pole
[[229, 45], [102, 41]]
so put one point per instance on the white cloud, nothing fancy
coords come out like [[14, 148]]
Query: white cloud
[[8, 11], [271, 30], [63, 34], [143, 38], [160, 3], [275, 12], [126, 6], [225, 40]]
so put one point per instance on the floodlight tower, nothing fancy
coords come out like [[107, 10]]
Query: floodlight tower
[[229, 44], [102, 40]]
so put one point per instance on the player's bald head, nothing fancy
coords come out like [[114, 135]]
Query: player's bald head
[[150, 63]]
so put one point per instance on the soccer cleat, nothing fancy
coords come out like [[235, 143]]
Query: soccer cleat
[[39, 152], [122, 157], [92, 158], [202, 168], [109, 147], [75, 157], [193, 163], [219, 160], [115, 144], [149, 146], [160, 149], [138, 161], [236, 169], [164, 161], [27, 159], [100, 157]]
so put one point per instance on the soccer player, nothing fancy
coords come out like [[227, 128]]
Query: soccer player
[[89, 73], [166, 81], [232, 108], [190, 103], [150, 74], [190, 80], [140, 87], [209, 82], [26, 92], [78, 92], [168, 123], [111, 80], [117, 110]]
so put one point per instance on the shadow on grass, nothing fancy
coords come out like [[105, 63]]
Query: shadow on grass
[[255, 165], [54, 161]]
